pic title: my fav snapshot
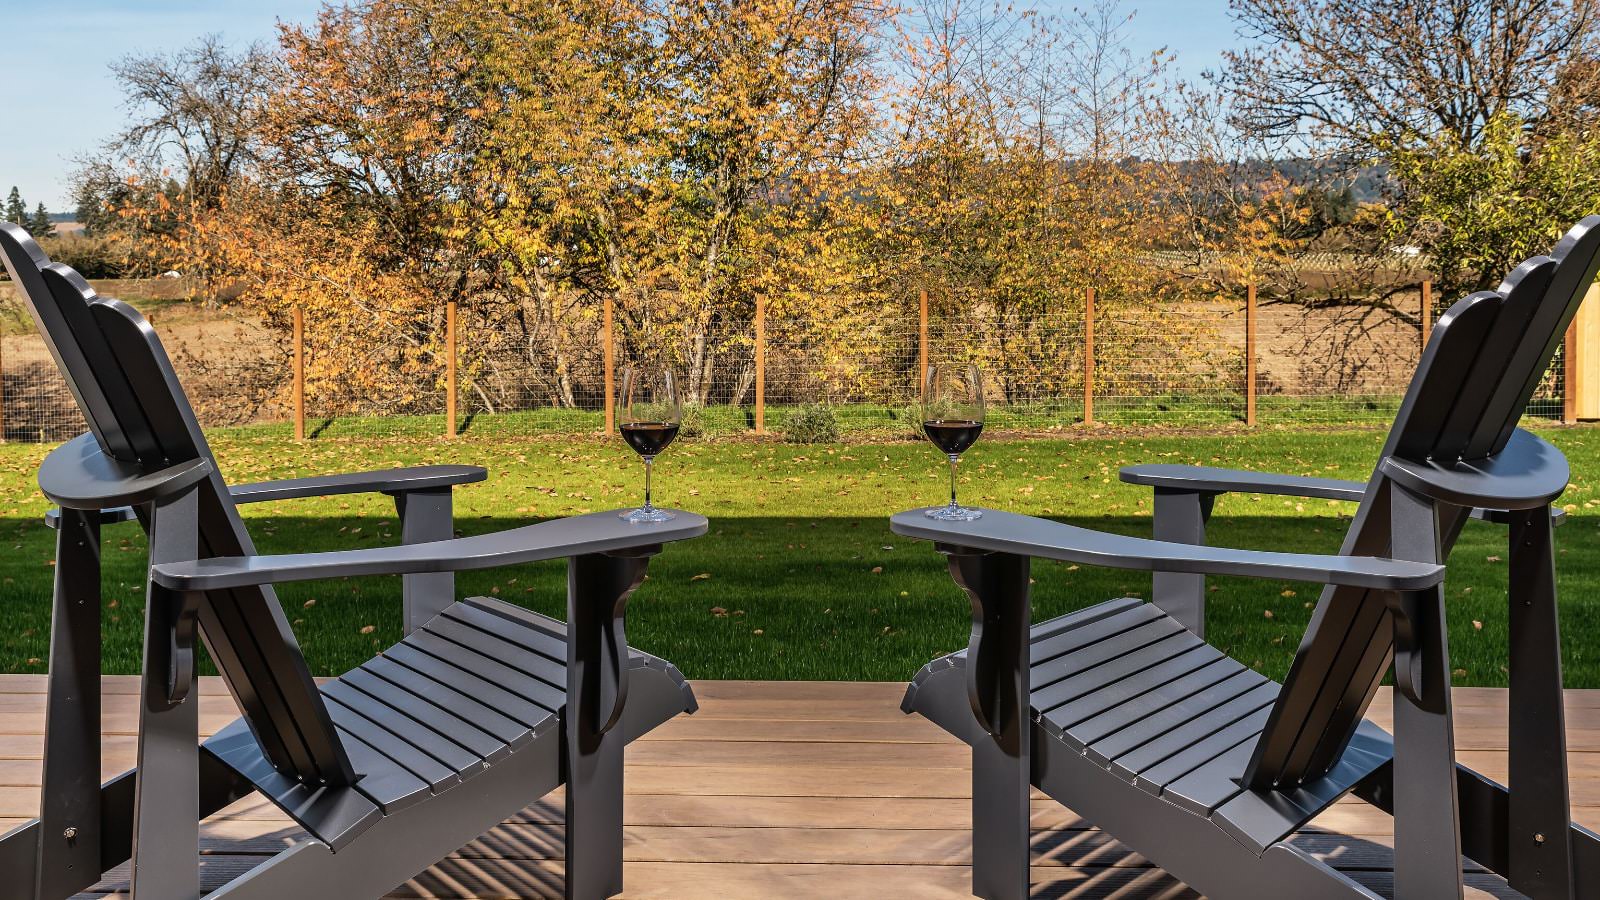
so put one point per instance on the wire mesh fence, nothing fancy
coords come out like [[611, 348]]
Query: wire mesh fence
[[1178, 365]]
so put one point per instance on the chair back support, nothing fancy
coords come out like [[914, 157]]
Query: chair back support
[[1476, 377], [118, 371]]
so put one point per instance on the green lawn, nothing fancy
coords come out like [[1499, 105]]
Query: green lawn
[[800, 577]]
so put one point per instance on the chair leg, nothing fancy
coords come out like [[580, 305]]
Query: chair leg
[[1181, 516], [1540, 845], [598, 586], [997, 687], [166, 806], [1427, 815], [425, 516], [69, 815], [1427, 843]]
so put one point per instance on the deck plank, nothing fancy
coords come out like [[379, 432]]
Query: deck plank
[[793, 789]]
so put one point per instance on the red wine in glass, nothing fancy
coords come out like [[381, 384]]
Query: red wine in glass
[[651, 415], [952, 418], [649, 438], [953, 437]]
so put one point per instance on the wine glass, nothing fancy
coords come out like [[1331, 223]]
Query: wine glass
[[651, 416], [952, 418]]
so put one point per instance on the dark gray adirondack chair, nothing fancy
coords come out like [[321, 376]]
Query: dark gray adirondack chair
[[481, 709], [1125, 714]]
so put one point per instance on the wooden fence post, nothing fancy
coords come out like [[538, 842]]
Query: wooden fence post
[[1250, 354], [1569, 375], [761, 364], [922, 338], [2, 396], [1427, 313], [450, 369], [299, 374], [610, 354], [1088, 357]]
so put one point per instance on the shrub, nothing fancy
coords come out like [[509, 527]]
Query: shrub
[[813, 423], [908, 421], [693, 423], [91, 257]]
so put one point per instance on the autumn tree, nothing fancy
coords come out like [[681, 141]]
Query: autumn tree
[[751, 108], [1348, 70], [161, 182], [1024, 163], [532, 160], [360, 145], [194, 114], [1427, 87]]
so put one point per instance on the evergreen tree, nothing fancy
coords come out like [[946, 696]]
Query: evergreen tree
[[16, 211], [39, 225]]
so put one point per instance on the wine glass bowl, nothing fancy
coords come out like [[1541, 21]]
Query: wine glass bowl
[[651, 414], [648, 438], [952, 419]]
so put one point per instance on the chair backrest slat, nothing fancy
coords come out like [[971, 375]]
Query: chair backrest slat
[[1523, 290], [119, 372], [1475, 379]]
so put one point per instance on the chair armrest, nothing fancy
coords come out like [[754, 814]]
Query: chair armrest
[[1029, 536], [1206, 480], [78, 476], [602, 532], [1526, 474], [384, 481]]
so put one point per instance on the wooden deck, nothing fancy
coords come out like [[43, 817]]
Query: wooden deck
[[787, 789]]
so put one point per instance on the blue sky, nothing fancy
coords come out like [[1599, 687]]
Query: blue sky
[[65, 48]]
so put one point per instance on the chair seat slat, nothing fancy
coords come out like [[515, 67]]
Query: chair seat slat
[[528, 702], [1133, 763], [1090, 638], [474, 659], [1210, 785], [1154, 778], [1108, 662], [477, 727], [1200, 704], [398, 751], [449, 750], [500, 649], [1152, 702], [517, 631], [390, 786], [1143, 680]]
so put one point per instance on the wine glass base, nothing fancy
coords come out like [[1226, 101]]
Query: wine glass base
[[953, 513], [646, 515]]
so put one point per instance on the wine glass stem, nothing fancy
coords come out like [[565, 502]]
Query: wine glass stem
[[649, 466], [953, 460]]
